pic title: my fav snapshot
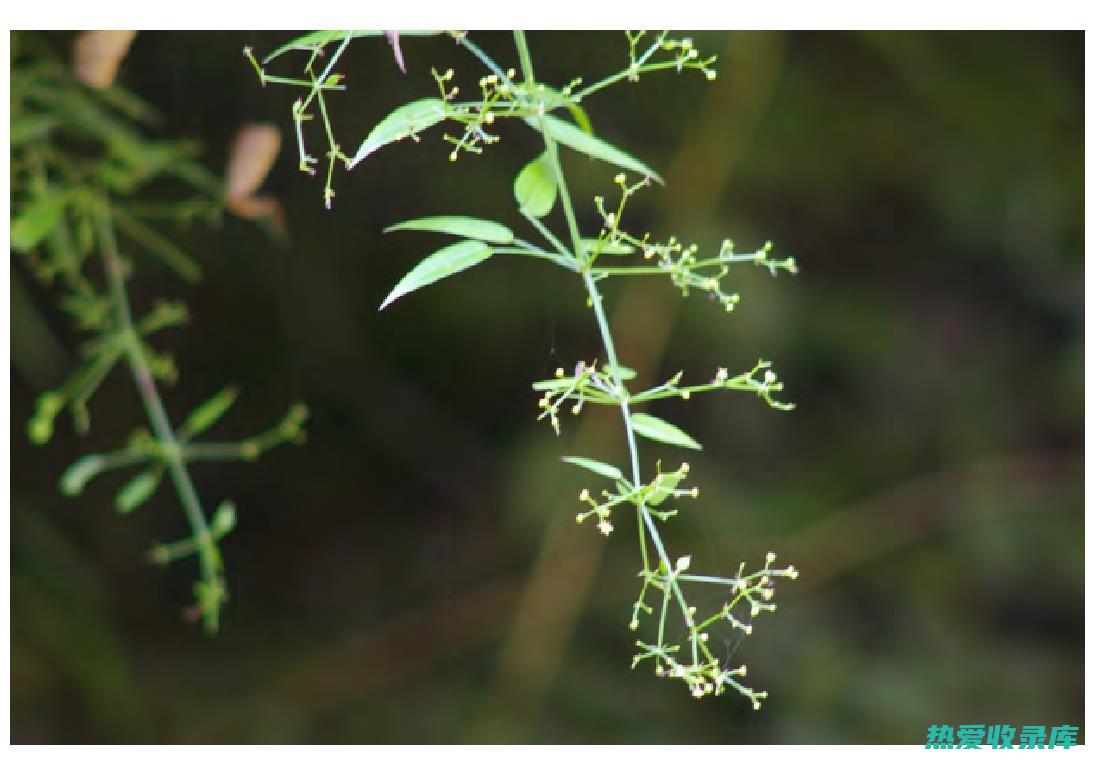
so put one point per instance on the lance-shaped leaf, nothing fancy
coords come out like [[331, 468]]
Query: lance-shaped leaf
[[558, 383], [663, 485], [664, 432], [404, 121], [535, 187], [209, 412], [444, 263], [326, 36], [577, 139], [605, 470], [138, 490], [624, 372], [461, 226], [592, 245]]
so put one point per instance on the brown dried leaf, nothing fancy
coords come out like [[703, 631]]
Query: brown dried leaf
[[252, 154], [97, 54]]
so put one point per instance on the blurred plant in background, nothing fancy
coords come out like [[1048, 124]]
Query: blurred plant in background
[[82, 175]]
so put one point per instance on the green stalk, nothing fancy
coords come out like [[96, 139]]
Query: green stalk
[[553, 153], [603, 328], [209, 560]]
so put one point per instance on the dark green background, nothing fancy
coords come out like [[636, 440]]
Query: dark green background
[[929, 484]]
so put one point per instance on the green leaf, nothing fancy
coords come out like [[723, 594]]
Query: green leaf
[[209, 412], [559, 383], [591, 244], [535, 187], [319, 38], [577, 139], [160, 246], [444, 263], [580, 117], [35, 221], [605, 470], [463, 226], [664, 432], [326, 36], [663, 484], [138, 490], [28, 128], [624, 372], [404, 121]]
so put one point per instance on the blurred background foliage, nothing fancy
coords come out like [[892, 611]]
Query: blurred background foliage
[[414, 573]]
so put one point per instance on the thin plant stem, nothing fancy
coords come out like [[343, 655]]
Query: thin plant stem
[[607, 338], [209, 559]]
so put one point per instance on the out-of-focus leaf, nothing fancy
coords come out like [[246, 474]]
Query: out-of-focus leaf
[[210, 411], [252, 154], [97, 54], [224, 519], [27, 128], [36, 219], [138, 490], [77, 475], [157, 244]]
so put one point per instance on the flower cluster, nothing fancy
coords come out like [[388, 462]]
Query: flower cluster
[[476, 116], [683, 263], [647, 496], [686, 56], [703, 672]]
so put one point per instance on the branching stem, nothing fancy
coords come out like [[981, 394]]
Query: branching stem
[[209, 560], [595, 297]]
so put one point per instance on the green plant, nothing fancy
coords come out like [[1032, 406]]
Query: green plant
[[83, 176], [612, 252]]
